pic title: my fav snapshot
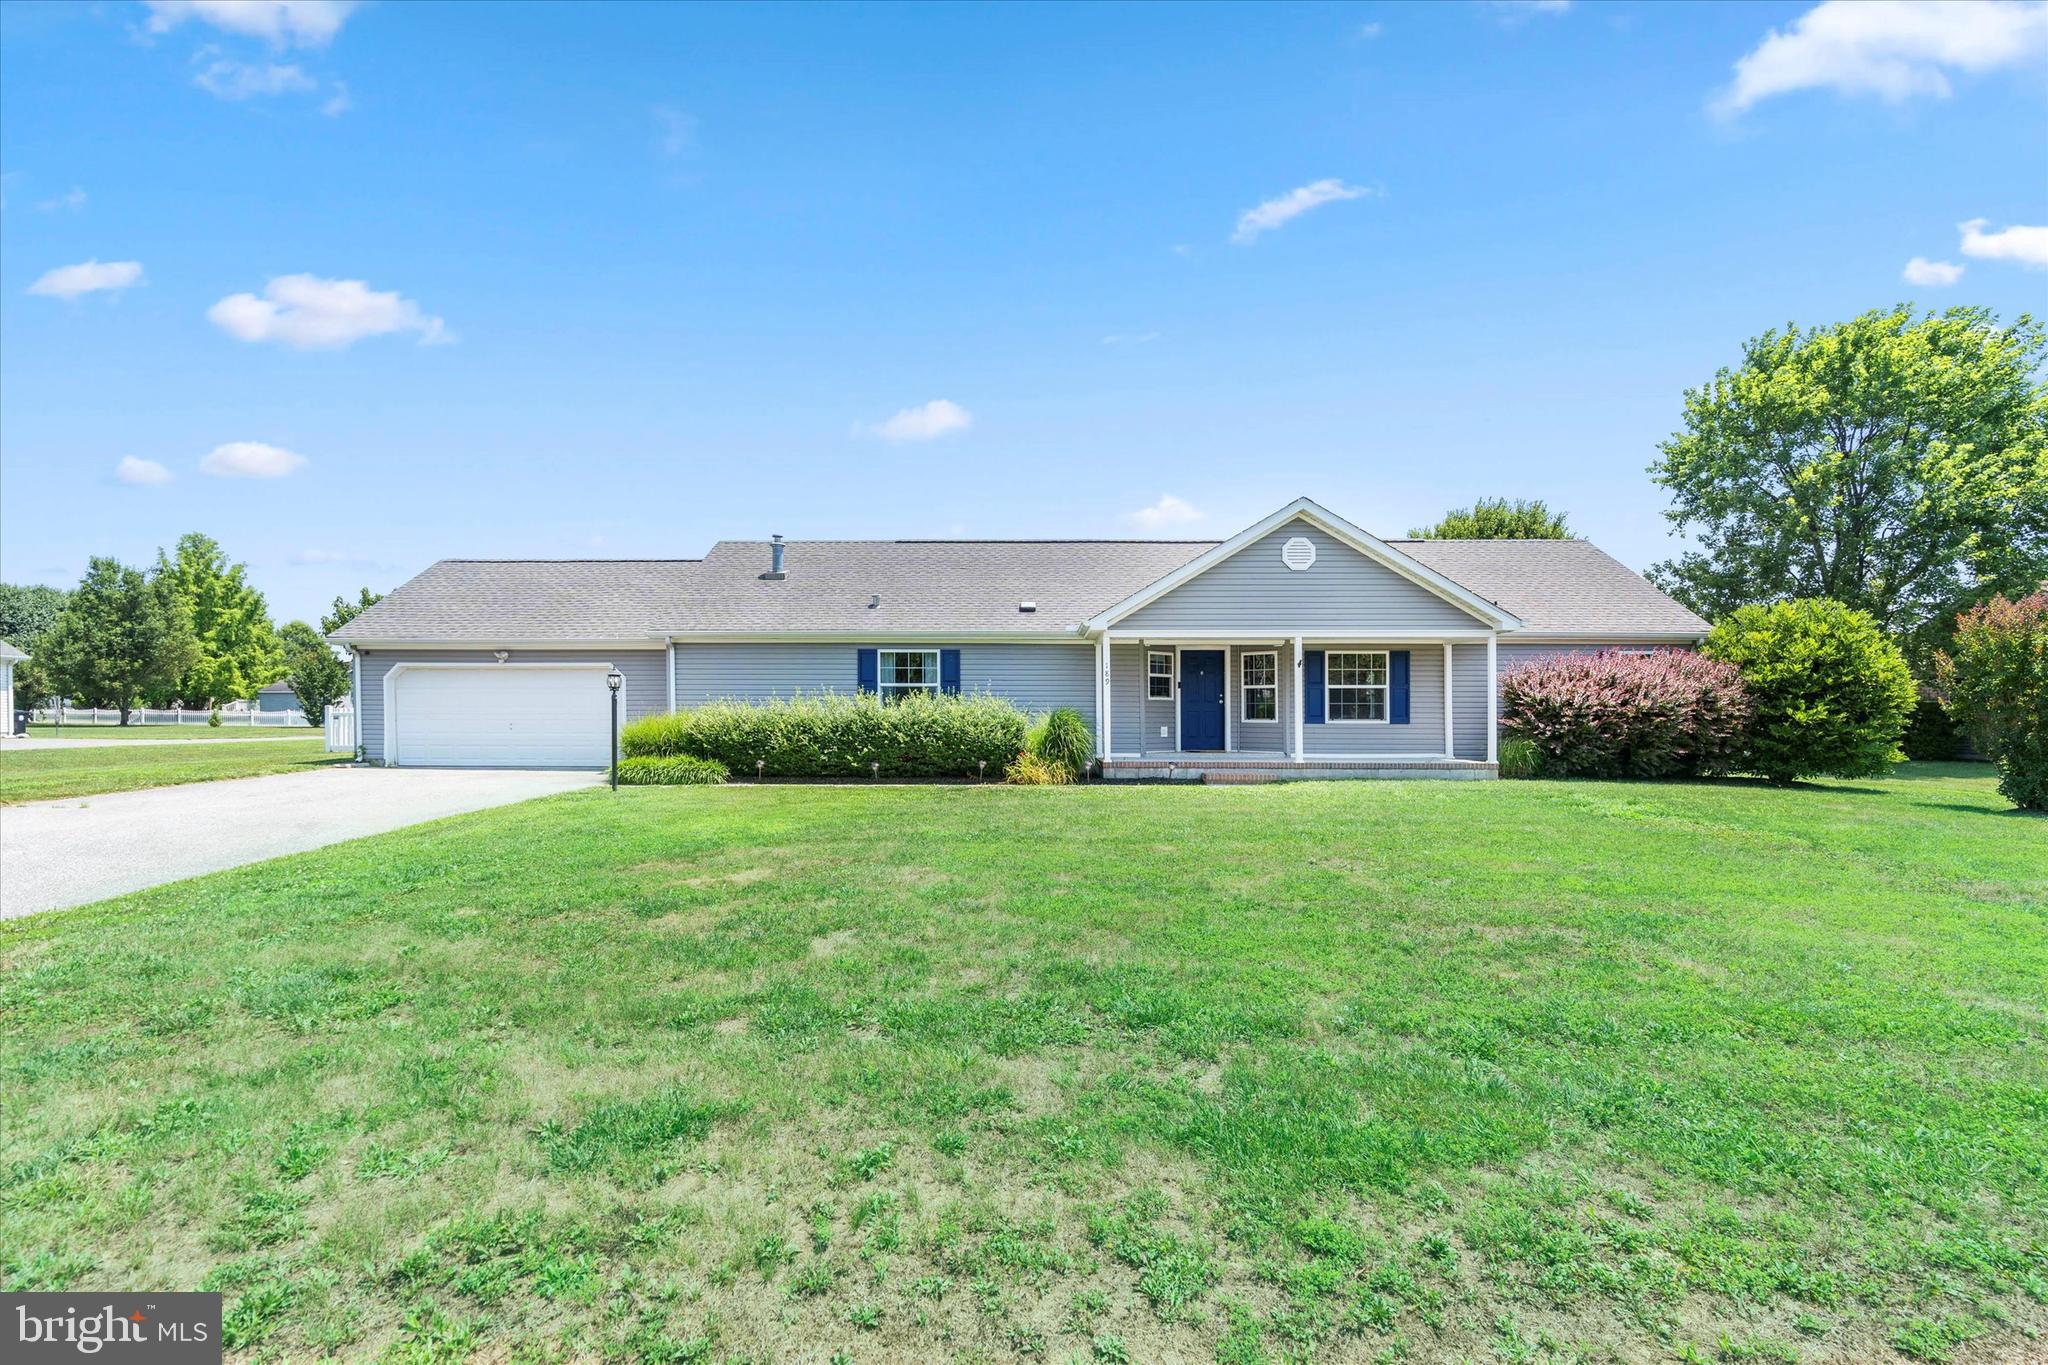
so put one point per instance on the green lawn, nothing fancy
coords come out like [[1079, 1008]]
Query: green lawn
[[40, 774], [1344, 1072], [226, 730]]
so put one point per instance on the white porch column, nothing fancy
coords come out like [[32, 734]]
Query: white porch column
[[1492, 698], [1300, 699], [1103, 695], [671, 676], [1450, 697]]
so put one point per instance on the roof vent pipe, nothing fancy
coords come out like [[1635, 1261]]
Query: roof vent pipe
[[775, 559]]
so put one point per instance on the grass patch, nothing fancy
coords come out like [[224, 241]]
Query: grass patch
[[1346, 1071], [195, 730], [45, 774]]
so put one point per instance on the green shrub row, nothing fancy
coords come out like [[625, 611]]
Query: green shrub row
[[677, 770], [835, 736]]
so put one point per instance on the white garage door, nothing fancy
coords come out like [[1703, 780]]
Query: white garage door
[[502, 716]]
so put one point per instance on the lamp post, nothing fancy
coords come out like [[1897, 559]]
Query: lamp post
[[615, 680]]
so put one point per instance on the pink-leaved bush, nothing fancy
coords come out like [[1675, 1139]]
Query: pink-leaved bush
[[1611, 714]]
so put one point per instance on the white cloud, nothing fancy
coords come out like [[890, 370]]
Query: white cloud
[[675, 131], [1285, 208], [338, 102], [1168, 511], [232, 80], [71, 202], [1129, 338], [1893, 50], [937, 418], [300, 23], [132, 470], [311, 314], [1932, 274], [1371, 30], [251, 460], [2027, 245], [88, 277]]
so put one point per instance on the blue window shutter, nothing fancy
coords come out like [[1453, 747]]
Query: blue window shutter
[[1397, 686], [1312, 687], [949, 672], [868, 676]]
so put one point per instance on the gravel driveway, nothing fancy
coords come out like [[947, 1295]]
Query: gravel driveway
[[81, 849]]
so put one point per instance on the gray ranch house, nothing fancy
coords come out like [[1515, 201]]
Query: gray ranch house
[[1300, 647]]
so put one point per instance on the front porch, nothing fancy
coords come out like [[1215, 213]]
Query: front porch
[[1245, 706], [1219, 769]]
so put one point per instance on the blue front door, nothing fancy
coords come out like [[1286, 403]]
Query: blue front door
[[1201, 699]]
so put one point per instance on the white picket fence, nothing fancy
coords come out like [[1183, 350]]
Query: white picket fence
[[153, 715], [341, 728]]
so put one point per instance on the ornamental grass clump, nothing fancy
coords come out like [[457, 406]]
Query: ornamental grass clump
[[1607, 714], [676, 770], [834, 736], [1063, 740]]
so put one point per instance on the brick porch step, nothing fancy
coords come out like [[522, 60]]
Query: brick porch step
[[1232, 777]]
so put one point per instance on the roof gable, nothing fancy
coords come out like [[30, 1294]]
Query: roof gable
[[1419, 580]]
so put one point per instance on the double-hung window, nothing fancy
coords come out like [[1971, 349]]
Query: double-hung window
[[1159, 675], [1260, 684], [1355, 686], [900, 672]]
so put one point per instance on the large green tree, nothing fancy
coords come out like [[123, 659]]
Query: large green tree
[[239, 650], [121, 637], [27, 612], [1498, 519], [346, 611], [1895, 462]]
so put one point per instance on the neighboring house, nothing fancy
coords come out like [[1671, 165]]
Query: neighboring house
[[9, 657], [277, 697], [1301, 646]]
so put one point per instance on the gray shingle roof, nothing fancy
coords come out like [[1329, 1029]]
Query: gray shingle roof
[[1557, 585], [489, 600], [938, 586]]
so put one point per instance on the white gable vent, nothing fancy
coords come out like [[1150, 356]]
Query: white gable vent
[[1298, 553], [1027, 606]]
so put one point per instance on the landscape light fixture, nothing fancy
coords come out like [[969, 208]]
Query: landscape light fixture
[[615, 680]]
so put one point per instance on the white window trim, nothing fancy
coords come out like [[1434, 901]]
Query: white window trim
[[1171, 676], [1386, 688], [938, 683], [1244, 692]]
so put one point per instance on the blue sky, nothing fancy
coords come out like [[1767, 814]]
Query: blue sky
[[634, 278]]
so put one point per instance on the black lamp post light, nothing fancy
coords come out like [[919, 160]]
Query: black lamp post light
[[615, 680]]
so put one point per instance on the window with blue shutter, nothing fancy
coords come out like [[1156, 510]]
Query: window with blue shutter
[[1397, 680], [1312, 687], [949, 672], [865, 677]]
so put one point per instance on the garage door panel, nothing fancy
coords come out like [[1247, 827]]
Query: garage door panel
[[502, 716]]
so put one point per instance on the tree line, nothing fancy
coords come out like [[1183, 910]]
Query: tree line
[[191, 631]]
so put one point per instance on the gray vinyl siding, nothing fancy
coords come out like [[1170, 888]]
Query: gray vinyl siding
[[1512, 655], [1469, 701], [1261, 737], [1038, 678], [644, 693], [1424, 732], [1342, 590]]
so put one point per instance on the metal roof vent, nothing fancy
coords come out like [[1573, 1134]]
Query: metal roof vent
[[1027, 606], [874, 600], [775, 572]]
